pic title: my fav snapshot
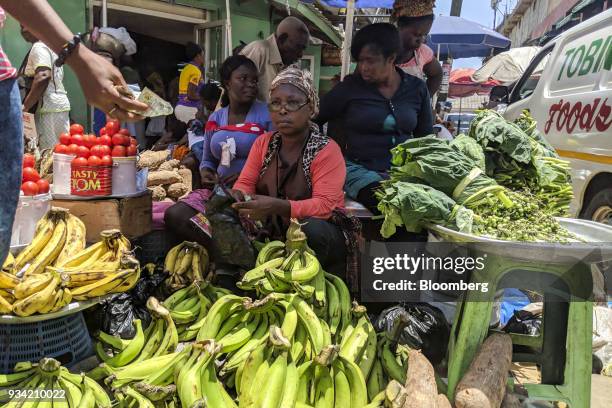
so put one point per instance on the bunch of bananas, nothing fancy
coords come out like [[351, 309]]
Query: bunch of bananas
[[40, 293], [8, 282], [159, 338], [58, 236], [189, 306], [186, 263], [51, 385], [288, 267]]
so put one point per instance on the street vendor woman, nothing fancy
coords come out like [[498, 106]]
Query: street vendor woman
[[414, 19], [228, 136], [379, 107], [297, 172]]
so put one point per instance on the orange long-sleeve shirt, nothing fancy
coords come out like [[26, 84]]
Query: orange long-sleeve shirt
[[328, 173]]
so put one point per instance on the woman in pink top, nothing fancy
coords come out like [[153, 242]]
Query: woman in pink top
[[414, 19], [296, 172]]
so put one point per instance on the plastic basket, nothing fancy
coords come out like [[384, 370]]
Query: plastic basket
[[154, 246], [66, 339]]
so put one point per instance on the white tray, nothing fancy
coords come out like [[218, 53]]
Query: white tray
[[67, 310]]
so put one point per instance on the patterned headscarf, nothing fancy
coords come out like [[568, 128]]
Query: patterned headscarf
[[302, 80], [412, 8]]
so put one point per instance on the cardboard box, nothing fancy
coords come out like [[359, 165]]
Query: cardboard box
[[133, 215]]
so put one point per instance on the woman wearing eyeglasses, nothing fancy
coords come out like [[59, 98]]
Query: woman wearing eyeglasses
[[296, 172], [224, 143]]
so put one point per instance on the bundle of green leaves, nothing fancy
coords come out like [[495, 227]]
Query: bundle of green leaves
[[416, 205], [432, 161], [518, 157]]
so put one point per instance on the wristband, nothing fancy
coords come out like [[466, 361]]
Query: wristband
[[67, 50]]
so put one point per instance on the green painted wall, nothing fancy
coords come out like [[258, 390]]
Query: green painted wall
[[73, 12]]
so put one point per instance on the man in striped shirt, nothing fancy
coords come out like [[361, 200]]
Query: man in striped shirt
[[100, 80]]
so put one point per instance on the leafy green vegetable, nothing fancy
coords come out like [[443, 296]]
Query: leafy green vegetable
[[416, 205], [432, 161], [470, 148], [518, 157]]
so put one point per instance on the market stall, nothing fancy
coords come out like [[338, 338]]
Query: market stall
[[289, 334]]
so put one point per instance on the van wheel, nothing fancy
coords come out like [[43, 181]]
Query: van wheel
[[600, 207]]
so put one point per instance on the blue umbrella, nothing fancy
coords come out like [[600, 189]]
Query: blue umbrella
[[461, 38]]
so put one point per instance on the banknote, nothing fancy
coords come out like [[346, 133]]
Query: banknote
[[157, 105]]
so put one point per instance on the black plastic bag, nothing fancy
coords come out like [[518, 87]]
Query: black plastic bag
[[524, 322], [417, 325], [230, 242], [116, 313]]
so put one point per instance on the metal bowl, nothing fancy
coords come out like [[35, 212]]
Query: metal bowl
[[596, 245]]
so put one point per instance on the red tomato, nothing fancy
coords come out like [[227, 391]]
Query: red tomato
[[73, 148], [77, 140], [131, 150], [28, 160], [30, 174], [118, 139], [103, 131], [64, 138], [82, 151], [94, 161], [106, 160], [43, 186], [112, 127], [133, 141], [105, 140], [76, 129], [61, 149], [104, 151], [125, 132], [118, 151], [29, 188], [89, 140], [79, 161], [96, 150]]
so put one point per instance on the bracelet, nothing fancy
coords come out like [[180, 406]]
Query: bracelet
[[67, 50]]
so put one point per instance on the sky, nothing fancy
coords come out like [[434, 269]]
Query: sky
[[475, 10]]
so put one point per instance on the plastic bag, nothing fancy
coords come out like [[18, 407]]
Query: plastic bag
[[116, 313], [230, 242], [524, 322], [424, 328]]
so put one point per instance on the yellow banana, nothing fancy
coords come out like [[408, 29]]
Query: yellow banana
[[101, 287], [75, 239], [47, 307], [196, 270], [7, 295], [8, 262], [8, 280], [185, 262], [171, 257], [65, 300], [32, 284], [86, 277], [84, 258], [34, 302], [40, 240], [5, 306], [51, 250]]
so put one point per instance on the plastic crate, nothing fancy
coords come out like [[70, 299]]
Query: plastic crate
[[154, 246], [66, 339]]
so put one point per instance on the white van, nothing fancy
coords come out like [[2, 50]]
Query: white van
[[568, 90]]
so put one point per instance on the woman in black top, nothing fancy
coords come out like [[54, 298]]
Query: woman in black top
[[376, 108]]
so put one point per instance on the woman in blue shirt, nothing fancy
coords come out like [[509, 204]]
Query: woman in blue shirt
[[375, 109], [228, 134]]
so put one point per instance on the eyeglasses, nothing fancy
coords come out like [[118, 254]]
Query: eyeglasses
[[291, 106]]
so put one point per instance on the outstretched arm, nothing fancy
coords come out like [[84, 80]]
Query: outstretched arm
[[99, 78]]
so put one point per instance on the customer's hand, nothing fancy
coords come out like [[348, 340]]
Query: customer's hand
[[103, 85], [260, 207], [208, 176]]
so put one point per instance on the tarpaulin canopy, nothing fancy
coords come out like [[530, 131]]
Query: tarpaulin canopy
[[460, 38], [462, 85], [506, 67]]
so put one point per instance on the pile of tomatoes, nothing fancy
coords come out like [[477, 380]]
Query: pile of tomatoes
[[32, 184], [97, 151]]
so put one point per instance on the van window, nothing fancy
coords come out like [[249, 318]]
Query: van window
[[529, 81]]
